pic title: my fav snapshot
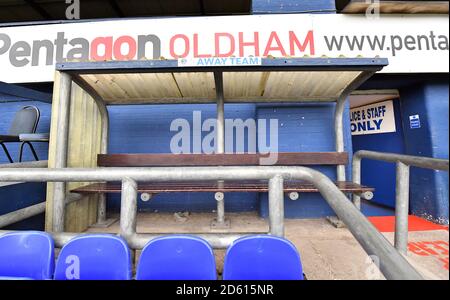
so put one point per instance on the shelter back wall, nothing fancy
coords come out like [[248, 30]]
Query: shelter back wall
[[305, 128]]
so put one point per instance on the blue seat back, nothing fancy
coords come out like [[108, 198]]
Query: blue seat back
[[94, 257], [177, 257], [262, 257], [27, 255]]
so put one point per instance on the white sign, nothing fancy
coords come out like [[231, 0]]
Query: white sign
[[412, 43], [373, 119], [414, 122], [219, 61]]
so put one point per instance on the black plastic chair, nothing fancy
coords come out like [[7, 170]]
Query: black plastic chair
[[25, 122]]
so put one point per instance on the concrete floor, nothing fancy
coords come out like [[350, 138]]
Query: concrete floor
[[327, 253]]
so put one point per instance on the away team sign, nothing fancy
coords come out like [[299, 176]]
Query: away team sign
[[411, 43], [219, 61]]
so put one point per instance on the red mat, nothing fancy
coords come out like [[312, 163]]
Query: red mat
[[387, 224]]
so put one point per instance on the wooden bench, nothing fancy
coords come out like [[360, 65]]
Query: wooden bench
[[172, 160]]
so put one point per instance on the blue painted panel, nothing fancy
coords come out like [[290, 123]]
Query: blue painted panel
[[429, 189], [377, 174], [146, 129], [7, 112], [292, 6], [372, 209], [306, 128], [9, 98], [25, 93], [16, 197]]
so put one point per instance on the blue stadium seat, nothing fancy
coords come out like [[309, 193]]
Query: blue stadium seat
[[94, 257], [177, 257], [262, 257], [26, 255]]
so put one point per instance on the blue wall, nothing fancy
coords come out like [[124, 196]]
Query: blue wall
[[16, 197], [429, 189], [384, 142], [306, 128], [292, 6], [148, 131], [426, 95], [302, 128]]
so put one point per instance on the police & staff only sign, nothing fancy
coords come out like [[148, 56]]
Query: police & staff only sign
[[373, 119]]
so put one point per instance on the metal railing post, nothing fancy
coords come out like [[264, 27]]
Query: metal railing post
[[392, 264], [220, 139], [339, 117], [339, 133], [276, 206], [101, 210], [402, 207], [403, 166], [62, 141], [356, 175], [128, 208]]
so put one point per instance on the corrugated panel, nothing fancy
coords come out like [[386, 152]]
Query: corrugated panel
[[199, 87], [134, 88], [244, 85], [320, 86], [153, 87], [196, 85]]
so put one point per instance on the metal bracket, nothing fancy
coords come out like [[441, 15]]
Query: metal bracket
[[294, 196], [105, 224], [145, 197], [226, 224], [336, 222]]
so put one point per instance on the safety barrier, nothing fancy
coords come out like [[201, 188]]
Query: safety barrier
[[30, 255], [404, 162], [392, 264]]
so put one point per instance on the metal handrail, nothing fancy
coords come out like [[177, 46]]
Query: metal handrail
[[32, 164], [392, 264], [404, 162]]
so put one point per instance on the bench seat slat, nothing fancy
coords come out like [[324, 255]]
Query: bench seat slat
[[197, 160], [212, 186]]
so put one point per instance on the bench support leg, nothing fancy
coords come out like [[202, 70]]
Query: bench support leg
[[220, 222], [102, 221]]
